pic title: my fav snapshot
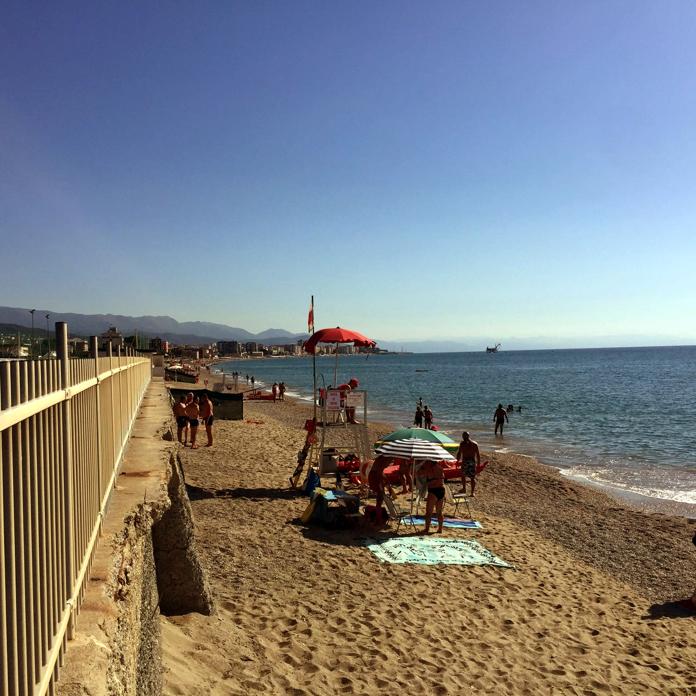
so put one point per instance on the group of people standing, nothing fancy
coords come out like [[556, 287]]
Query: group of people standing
[[190, 411], [278, 391], [424, 416]]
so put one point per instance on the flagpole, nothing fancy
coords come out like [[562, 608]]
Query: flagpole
[[314, 367]]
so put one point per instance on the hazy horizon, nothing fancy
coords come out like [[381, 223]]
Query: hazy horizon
[[457, 343]]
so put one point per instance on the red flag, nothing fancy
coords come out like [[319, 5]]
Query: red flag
[[310, 317]]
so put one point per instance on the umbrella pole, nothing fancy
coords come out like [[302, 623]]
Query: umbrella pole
[[335, 384], [413, 484], [314, 382]]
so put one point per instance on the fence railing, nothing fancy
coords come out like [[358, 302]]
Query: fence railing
[[64, 425]]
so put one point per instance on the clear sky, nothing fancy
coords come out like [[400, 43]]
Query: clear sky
[[425, 169]]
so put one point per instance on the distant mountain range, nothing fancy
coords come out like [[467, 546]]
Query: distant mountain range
[[191, 332]]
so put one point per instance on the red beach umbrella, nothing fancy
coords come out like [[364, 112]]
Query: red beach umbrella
[[337, 335]]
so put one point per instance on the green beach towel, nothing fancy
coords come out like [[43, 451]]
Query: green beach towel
[[433, 551]]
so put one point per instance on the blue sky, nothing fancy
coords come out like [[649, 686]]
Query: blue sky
[[425, 169]]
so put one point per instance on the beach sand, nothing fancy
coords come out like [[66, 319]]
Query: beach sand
[[590, 607]]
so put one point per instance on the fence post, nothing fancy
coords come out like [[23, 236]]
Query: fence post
[[10, 616], [94, 349], [68, 498], [120, 399]]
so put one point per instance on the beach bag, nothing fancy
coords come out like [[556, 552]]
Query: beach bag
[[312, 482]]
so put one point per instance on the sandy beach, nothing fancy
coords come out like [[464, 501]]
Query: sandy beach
[[590, 607]]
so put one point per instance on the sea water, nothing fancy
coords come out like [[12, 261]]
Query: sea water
[[620, 417]]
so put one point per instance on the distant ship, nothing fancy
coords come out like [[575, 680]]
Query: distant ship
[[495, 348]]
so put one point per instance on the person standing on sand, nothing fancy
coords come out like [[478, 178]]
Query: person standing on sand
[[179, 409], [500, 416], [274, 391], [375, 480], [418, 418], [206, 413], [435, 478], [192, 413], [469, 459], [405, 476], [281, 391]]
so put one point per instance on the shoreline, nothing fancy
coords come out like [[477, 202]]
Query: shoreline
[[632, 499]]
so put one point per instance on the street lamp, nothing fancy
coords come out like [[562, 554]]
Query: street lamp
[[31, 352], [48, 338]]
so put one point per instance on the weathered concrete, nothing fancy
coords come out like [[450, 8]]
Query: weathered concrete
[[180, 580], [116, 650]]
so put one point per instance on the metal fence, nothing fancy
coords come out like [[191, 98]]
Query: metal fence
[[64, 425]]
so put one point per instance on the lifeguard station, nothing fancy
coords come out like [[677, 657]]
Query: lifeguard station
[[339, 426], [341, 430]]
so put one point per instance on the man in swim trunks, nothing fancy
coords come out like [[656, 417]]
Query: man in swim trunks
[[428, 417], [206, 413], [179, 409], [192, 413], [469, 459], [435, 478], [500, 416]]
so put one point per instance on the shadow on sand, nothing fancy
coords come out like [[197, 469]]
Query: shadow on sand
[[198, 493], [354, 536], [670, 610]]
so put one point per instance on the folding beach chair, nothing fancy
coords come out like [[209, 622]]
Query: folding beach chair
[[457, 499], [397, 513]]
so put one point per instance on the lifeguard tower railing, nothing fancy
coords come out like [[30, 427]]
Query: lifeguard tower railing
[[342, 426], [64, 424]]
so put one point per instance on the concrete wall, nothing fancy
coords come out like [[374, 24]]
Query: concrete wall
[[146, 559]]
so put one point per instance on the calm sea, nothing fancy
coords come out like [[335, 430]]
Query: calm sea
[[620, 417]]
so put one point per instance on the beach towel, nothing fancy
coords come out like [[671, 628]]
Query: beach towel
[[433, 551], [451, 522]]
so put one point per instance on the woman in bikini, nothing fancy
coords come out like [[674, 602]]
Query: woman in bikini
[[432, 471]]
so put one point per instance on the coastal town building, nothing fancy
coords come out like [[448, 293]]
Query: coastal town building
[[114, 337], [12, 350], [191, 352], [159, 345], [229, 348], [78, 347]]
